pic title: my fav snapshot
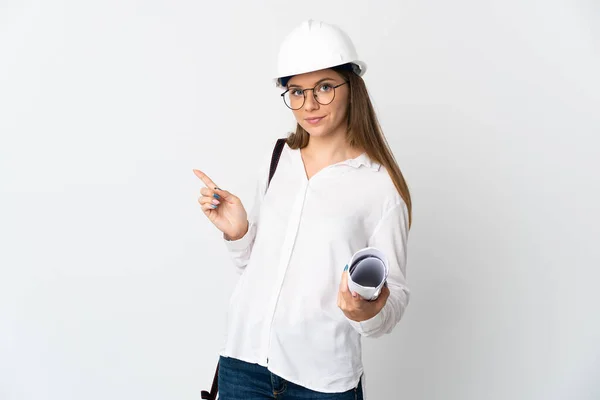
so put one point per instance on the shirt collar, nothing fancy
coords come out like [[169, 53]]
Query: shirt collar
[[365, 160]]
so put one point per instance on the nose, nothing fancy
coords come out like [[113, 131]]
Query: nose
[[310, 103]]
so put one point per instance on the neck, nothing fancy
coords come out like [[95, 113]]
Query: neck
[[330, 148]]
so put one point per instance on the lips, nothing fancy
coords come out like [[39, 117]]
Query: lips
[[313, 120]]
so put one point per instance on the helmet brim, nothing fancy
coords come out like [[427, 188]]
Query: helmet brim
[[358, 67]]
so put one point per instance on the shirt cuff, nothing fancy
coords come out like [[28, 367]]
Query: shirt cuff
[[243, 242], [368, 326]]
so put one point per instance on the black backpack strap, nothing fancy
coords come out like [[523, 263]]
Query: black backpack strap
[[214, 389], [275, 158]]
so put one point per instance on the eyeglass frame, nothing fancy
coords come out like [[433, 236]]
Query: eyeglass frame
[[314, 96]]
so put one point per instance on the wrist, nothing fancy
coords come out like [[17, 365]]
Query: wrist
[[361, 317], [237, 236]]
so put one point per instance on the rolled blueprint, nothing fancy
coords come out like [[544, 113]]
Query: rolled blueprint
[[368, 270]]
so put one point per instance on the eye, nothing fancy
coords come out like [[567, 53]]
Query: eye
[[325, 87], [296, 92]]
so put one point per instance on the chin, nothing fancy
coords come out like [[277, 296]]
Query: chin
[[315, 130]]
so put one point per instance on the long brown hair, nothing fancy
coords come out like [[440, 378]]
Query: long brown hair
[[364, 132]]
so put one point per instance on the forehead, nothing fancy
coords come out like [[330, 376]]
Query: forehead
[[311, 78]]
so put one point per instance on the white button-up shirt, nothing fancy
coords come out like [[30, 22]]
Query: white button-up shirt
[[283, 313]]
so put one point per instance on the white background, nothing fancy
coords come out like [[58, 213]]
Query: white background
[[113, 284]]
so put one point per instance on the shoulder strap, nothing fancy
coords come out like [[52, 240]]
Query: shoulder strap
[[212, 395], [275, 158]]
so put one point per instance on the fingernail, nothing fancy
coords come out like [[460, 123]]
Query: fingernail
[[216, 201], [213, 205], [216, 196], [346, 268]]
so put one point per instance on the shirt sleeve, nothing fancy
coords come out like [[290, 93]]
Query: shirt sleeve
[[241, 249], [390, 236]]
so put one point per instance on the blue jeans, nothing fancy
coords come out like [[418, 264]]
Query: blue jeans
[[239, 380]]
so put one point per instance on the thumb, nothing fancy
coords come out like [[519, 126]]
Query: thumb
[[344, 281], [224, 194]]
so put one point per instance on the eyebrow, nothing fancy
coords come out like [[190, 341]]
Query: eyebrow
[[321, 80]]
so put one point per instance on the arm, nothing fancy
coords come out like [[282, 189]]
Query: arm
[[390, 236]]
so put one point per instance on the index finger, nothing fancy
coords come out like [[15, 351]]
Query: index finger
[[207, 181]]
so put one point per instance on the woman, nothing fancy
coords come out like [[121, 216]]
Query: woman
[[294, 328]]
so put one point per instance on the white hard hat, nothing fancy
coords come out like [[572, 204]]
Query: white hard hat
[[316, 45]]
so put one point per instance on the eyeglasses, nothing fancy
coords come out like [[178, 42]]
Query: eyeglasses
[[324, 93]]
